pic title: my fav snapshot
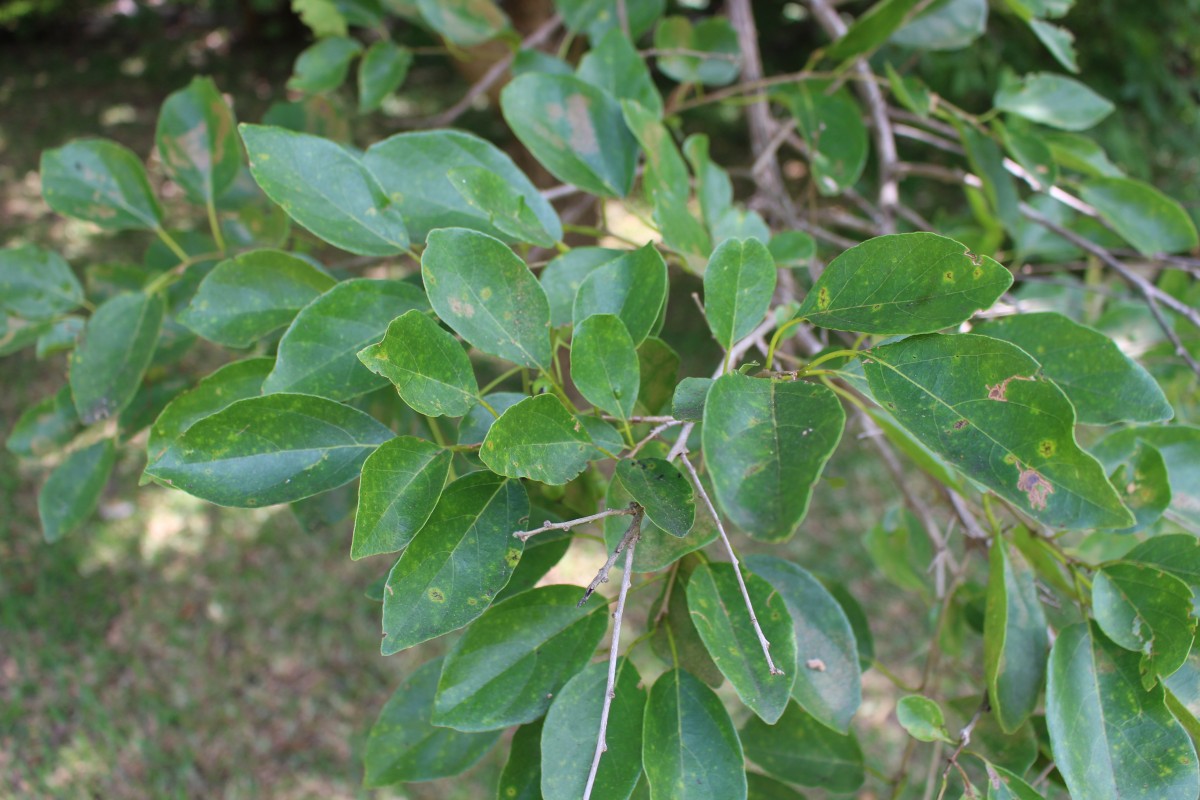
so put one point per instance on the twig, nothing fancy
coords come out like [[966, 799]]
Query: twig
[[489, 79], [964, 735], [631, 535], [571, 523], [737, 566], [610, 691], [652, 436]]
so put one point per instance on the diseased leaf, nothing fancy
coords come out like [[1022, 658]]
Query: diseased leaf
[[574, 129], [538, 439], [252, 294], [689, 746], [738, 284], [998, 421], [522, 776], [614, 65], [922, 718], [326, 189], [457, 563], [1148, 611], [322, 67], [429, 367], [381, 71], [720, 615], [569, 736], [1014, 639], [401, 483], [828, 681], [504, 206], [405, 746], [604, 364], [44, 426], [505, 669], [484, 291], [1104, 384], [800, 750], [1145, 217], [118, 343], [1179, 446], [37, 284], [275, 448], [634, 287], [101, 182], [663, 490], [904, 283], [412, 169], [1096, 709], [765, 445], [318, 353], [1142, 482], [72, 490], [1054, 100]]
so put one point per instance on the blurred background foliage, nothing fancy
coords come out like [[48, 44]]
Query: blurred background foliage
[[177, 650]]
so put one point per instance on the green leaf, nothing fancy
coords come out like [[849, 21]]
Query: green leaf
[[1081, 154], [101, 182], [197, 141], [923, 719], [1141, 480], [738, 284], [763, 788], [1030, 151], [563, 276], [1053, 100], [658, 366], [689, 746], [1004, 785], [872, 29], [713, 35], [429, 367], [405, 746], [505, 669], [72, 491], [634, 287], [904, 283], [522, 776], [597, 17], [1147, 611], [412, 169], [484, 291], [945, 25], [689, 399], [37, 284], [252, 294], [720, 615], [537, 439], [657, 549], [323, 66], [999, 186], [232, 382], [44, 426], [382, 71], [614, 65], [464, 22], [276, 448], [675, 638], [909, 92], [1014, 638], [504, 206], [1104, 384], [1096, 709], [401, 483], [662, 489], [828, 681], [714, 190], [326, 189], [457, 563], [574, 129], [322, 17], [1176, 553], [318, 353], [1179, 446], [569, 736], [1142, 215], [604, 364], [58, 337], [761, 436], [541, 554], [800, 750], [118, 343], [473, 428], [833, 129], [998, 421], [792, 249]]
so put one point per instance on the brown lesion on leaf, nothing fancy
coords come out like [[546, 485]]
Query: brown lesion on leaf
[[1047, 448], [1035, 486], [583, 132], [999, 392], [823, 298], [962, 423]]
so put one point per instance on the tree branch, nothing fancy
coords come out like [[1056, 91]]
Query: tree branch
[[631, 535], [571, 523]]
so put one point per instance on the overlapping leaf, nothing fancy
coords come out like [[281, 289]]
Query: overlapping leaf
[[1014, 639], [539, 439], [429, 367], [401, 483]]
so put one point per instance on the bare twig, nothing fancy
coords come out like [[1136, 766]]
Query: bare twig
[[651, 436], [964, 735], [489, 79], [631, 535], [737, 565], [571, 523], [610, 691]]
